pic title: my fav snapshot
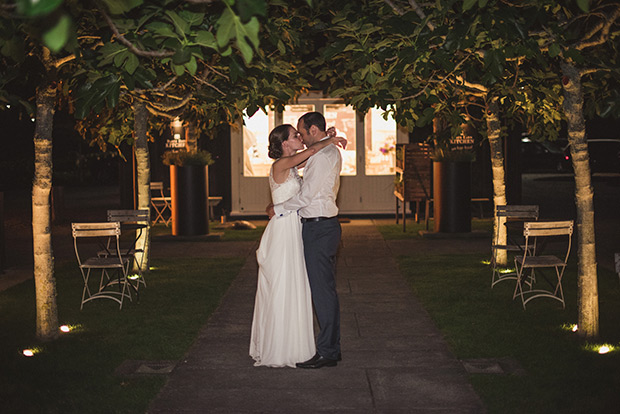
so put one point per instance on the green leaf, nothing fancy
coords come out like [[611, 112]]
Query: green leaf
[[119, 58], [192, 66], [57, 36], [193, 19], [132, 64], [92, 96], [281, 47], [584, 5], [554, 50], [468, 4], [251, 29], [161, 29], [246, 49], [178, 69], [206, 39], [109, 52], [182, 56], [182, 27], [121, 6], [249, 8], [35, 8], [225, 27]]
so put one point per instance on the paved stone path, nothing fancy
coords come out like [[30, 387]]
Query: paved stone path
[[394, 358]]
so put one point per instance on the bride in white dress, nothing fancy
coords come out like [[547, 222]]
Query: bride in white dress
[[282, 326]]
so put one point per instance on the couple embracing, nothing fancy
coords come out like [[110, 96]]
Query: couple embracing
[[297, 253]]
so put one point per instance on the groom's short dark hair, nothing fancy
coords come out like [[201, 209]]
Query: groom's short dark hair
[[314, 118]]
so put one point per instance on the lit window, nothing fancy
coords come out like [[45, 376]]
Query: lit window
[[256, 161], [343, 118], [380, 143], [292, 113]]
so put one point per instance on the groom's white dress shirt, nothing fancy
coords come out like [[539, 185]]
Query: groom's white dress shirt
[[321, 180]]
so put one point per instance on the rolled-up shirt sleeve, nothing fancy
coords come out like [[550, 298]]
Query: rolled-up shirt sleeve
[[319, 174]]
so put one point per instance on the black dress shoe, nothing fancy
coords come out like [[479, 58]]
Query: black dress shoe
[[316, 362]]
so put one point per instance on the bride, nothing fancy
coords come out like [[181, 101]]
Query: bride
[[282, 326]]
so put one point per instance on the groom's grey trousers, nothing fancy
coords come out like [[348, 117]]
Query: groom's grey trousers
[[321, 241]]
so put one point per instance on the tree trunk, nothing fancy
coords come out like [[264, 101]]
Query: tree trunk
[[45, 284], [143, 178], [584, 199], [499, 181], [191, 142]]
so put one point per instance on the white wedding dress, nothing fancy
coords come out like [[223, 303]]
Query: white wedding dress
[[282, 326]]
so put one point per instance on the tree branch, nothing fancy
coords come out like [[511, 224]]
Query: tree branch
[[394, 7], [420, 13], [603, 30], [61, 61], [132, 48], [204, 82]]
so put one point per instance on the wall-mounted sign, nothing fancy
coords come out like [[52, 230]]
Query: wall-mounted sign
[[175, 143]]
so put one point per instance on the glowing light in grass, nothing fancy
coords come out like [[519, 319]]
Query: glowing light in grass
[[133, 277], [485, 262], [29, 352], [600, 348], [570, 327], [152, 268], [69, 328], [505, 271], [604, 349]]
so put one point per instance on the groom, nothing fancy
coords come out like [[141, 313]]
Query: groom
[[316, 205]]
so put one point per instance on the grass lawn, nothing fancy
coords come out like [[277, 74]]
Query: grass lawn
[[75, 373], [562, 374], [412, 229]]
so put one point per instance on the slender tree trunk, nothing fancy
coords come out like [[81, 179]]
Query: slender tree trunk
[[499, 181], [584, 199], [191, 142], [45, 284], [144, 176]]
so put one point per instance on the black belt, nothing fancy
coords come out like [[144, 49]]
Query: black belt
[[306, 219]]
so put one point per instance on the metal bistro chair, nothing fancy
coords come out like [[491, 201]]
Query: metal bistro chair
[[531, 260], [131, 220], [506, 214], [110, 287], [161, 203]]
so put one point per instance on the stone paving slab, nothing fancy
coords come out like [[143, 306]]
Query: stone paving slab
[[394, 358]]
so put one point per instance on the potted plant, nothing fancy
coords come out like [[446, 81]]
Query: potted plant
[[189, 190]]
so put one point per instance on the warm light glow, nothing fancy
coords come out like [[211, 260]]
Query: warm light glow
[[574, 328], [32, 119], [152, 268], [504, 271], [485, 262], [176, 123], [604, 349], [133, 277], [65, 328], [28, 352]]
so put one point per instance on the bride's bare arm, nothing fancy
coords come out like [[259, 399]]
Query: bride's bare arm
[[299, 158]]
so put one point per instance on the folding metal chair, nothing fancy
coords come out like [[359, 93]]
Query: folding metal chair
[[161, 203], [131, 220], [505, 215], [113, 283], [532, 259]]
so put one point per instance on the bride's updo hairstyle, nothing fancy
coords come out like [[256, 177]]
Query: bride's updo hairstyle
[[278, 135]]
